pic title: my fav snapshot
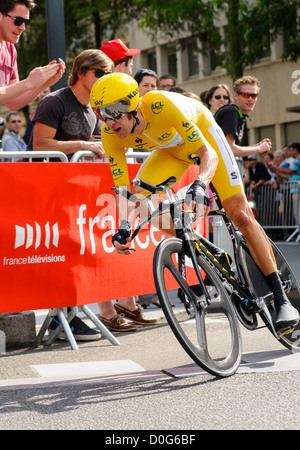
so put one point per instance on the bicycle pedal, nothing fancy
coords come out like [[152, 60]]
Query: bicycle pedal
[[289, 331], [202, 302]]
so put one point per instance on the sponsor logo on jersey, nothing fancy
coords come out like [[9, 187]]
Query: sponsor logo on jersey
[[107, 130], [112, 161], [194, 136], [117, 173], [165, 137], [157, 107], [187, 125]]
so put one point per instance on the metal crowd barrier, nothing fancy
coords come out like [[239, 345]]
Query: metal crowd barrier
[[80, 156], [278, 208], [30, 156], [88, 156]]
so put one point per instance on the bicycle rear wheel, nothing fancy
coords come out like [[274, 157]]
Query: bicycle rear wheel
[[289, 340], [260, 286], [211, 335]]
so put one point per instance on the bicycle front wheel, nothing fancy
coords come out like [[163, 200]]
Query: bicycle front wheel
[[210, 335]]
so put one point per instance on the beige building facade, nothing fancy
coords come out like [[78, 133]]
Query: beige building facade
[[196, 72]]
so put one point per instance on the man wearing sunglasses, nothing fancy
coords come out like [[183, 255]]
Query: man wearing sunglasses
[[232, 118], [15, 94], [64, 120]]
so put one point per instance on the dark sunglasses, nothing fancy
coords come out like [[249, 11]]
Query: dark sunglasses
[[225, 97], [245, 95], [113, 111], [99, 73], [18, 21]]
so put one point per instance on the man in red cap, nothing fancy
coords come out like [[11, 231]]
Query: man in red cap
[[120, 54]]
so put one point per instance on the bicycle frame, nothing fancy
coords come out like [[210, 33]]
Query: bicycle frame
[[183, 228], [182, 224], [179, 219], [258, 304]]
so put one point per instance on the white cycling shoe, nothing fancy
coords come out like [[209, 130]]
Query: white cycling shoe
[[287, 317]]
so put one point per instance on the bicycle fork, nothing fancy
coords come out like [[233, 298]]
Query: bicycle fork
[[190, 251]]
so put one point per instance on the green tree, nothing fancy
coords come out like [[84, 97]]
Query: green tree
[[251, 26], [87, 24]]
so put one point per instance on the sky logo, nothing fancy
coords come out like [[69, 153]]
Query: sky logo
[[29, 236]]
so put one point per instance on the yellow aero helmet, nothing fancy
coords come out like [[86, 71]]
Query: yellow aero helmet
[[113, 95]]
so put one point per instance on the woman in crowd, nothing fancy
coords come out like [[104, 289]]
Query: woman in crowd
[[147, 80], [216, 97]]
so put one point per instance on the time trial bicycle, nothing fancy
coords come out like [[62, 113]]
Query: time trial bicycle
[[215, 291]]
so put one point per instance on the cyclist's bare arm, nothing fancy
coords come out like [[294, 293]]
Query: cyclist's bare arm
[[125, 211], [262, 147], [207, 169]]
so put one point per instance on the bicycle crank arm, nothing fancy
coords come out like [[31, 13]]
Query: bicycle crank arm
[[263, 307]]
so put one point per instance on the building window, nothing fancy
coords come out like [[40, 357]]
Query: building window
[[215, 58], [266, 47], [193, 59], [291, 132], [172, 61], [267, 132], [152, 61]]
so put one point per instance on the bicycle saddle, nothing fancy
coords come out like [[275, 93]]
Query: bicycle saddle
[[169, 181]]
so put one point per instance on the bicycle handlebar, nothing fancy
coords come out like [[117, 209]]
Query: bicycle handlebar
[[145, 185], [125, 193]]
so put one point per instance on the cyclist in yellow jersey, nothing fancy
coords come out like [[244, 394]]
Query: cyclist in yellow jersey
[[173, 127]]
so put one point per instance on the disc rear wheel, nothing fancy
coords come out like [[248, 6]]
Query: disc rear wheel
[[260, 287]]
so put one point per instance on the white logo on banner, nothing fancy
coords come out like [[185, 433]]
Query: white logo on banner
[[29, 236]]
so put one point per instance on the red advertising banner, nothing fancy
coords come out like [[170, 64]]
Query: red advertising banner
[[57, 220]]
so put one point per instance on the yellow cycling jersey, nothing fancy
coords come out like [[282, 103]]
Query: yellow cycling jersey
[[175, 127]]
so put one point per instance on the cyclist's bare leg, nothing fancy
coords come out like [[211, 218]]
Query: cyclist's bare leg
[[238, 211]]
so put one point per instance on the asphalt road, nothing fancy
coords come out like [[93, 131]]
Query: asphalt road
[[149, 383]]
